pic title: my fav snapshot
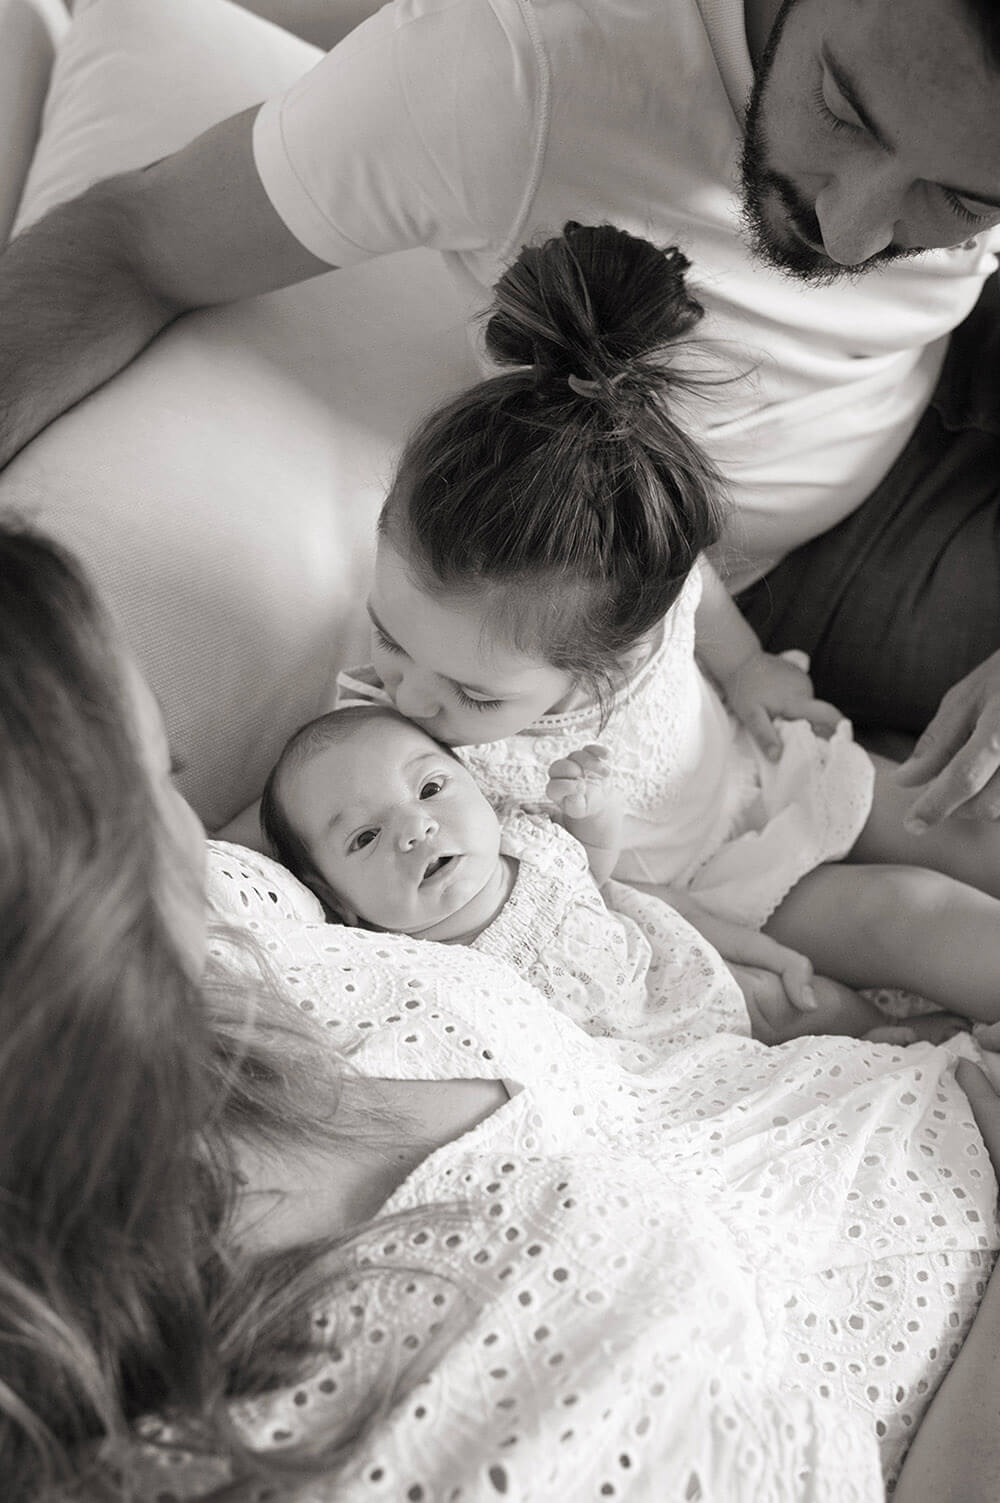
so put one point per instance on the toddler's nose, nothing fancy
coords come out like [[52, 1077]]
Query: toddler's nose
[[416, 700]]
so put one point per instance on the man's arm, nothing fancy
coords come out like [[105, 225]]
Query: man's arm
[[88, 287]]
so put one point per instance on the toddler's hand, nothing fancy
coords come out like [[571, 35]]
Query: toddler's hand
[[579, 785], [767, 687]]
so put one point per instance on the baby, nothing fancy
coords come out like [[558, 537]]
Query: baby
[[392, 832]]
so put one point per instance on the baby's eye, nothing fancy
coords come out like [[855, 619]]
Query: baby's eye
[[361, 839], [432, 787], [386, 643], [468, 703]]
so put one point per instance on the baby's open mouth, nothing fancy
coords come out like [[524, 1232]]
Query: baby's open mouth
[[438, 864]]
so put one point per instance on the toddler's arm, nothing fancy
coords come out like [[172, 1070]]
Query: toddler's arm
[[589, 806], [755, 684]]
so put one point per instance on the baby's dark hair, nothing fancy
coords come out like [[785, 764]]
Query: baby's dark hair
[[562, 494], [284, 841]]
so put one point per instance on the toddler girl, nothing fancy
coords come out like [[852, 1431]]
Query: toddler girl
[[541, 581], [390, 830]]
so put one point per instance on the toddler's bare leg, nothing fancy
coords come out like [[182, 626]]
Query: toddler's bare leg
[[968, 849], [898, 926]]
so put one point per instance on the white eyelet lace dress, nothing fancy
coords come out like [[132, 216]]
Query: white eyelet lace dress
[[613, 959], [704, 1271]]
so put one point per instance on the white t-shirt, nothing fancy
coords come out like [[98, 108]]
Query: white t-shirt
[[473, 126]]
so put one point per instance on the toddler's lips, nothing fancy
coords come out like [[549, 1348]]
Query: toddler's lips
[[436, 867]]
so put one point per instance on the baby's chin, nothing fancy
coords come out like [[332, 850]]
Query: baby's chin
[[460, 920]]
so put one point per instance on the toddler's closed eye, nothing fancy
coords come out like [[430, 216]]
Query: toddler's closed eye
[[386, 643], [468, 703]]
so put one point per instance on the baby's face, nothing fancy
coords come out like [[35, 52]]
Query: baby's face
[[399, 830]]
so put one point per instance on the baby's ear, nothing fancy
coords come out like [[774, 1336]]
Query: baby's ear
[[336, 910]]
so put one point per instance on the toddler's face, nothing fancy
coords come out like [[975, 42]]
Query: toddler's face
[[399, 830], [443, 668]]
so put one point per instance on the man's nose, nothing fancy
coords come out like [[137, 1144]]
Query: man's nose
[[414, 827], [857, 215]]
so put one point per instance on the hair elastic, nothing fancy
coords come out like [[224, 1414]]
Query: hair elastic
[[584, 388]]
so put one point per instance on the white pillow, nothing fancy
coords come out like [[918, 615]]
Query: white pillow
[[223, 489]]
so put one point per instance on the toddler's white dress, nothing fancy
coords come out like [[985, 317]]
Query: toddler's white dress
[[718, 1272], [706, 809], [613, 959]]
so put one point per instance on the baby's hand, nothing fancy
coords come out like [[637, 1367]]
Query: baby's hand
[[579, 785], [768, 687]]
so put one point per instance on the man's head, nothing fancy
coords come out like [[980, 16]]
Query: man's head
[[873, 132], [383, 823]]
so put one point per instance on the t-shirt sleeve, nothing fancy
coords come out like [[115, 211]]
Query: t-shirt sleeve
[[423, 127]]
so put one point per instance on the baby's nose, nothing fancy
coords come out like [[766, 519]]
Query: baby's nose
[[414, 829]]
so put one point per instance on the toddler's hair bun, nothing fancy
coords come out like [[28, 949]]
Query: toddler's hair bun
[[588, 304]]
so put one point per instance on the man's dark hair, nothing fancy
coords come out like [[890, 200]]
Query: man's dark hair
[[986, 16]]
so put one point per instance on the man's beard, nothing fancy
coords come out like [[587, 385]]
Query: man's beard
[[779, 246]]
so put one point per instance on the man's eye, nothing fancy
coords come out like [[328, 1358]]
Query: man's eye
[[971, 212], [830, 111], [361, 839], [432, 787], [386, 643]]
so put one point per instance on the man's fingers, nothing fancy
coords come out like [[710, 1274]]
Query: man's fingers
[[966, 775], [984, 805], [946, 734]]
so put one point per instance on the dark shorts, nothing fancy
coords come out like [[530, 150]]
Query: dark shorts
[[902, 598]]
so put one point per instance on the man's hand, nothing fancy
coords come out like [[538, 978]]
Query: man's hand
[[958, 756], [767, 687]]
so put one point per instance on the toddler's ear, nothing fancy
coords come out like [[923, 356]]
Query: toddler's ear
[[634, 657]]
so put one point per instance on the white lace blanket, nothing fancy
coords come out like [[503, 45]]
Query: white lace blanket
[[712, 1272]]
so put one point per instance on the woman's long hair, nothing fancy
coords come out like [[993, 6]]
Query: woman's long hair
[[123, 1085]]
